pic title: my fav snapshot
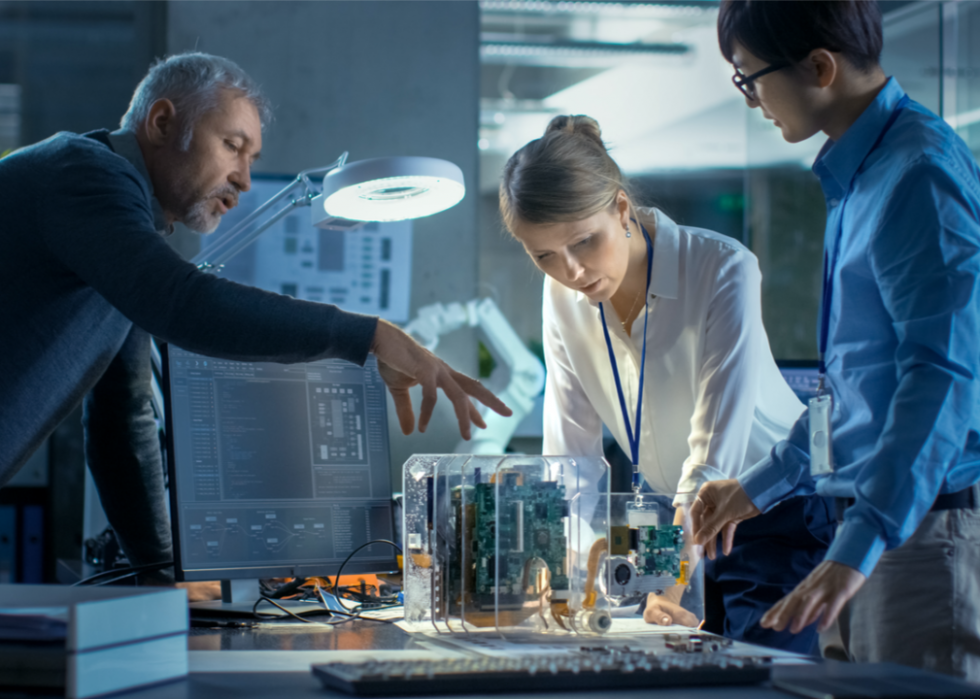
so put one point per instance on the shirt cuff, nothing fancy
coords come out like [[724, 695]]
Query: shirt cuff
[[684, 498], [764, 484], [350, 337], [693, 477], [857, 545]]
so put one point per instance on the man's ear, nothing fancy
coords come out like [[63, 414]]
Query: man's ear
[[824, 66], [161, 122]]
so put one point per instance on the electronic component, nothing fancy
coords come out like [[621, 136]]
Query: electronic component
[[505, 541], [587, 668], [533, 542], [646, 556], [658, 551], [517, 552], [653, 562]]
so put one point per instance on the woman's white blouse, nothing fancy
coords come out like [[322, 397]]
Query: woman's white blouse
[[714, 401]]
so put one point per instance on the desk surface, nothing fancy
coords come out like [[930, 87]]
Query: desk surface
[[295, 685], [355, 635], [255, 681]]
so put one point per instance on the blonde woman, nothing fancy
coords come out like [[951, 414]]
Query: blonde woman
[[655, 330]]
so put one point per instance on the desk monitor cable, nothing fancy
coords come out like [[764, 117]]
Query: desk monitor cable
[[296, 586]]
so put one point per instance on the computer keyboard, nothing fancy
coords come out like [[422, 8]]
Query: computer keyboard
[[585, 669]]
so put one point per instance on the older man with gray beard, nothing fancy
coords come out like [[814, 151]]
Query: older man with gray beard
[[87, 278]]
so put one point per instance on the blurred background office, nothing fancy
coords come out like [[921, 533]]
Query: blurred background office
[[469, 82]]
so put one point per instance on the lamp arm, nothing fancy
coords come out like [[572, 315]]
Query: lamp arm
[[306, 174], [243, 234], [215, 262]]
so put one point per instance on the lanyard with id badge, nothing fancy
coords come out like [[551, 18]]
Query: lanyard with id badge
[[633, 436], [822, 405]]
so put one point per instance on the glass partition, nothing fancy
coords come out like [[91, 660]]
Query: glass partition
[[655, 79]]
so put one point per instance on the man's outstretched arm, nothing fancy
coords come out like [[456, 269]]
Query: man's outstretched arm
[[404, 363]]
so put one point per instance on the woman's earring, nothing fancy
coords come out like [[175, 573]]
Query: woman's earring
[[628, 234]]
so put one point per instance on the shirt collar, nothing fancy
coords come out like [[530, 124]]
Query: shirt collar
[[664, 279], [838, 161], [124, 143]]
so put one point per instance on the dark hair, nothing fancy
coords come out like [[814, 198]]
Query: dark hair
[[788, 31], [566, 175]]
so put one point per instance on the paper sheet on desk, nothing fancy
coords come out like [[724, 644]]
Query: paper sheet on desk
[[629, 626], [634, 633]]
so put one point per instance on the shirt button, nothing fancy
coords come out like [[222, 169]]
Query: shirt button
[[834, 202]]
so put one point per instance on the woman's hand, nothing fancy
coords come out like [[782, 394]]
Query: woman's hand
[[718, 508], [661, 610], [666, 609]]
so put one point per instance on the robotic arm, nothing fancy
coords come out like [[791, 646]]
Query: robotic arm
[[524, 371]]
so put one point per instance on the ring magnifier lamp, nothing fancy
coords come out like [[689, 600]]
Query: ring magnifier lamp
[[378, 189]]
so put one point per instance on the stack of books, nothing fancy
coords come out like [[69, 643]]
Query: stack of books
[[89, 641]]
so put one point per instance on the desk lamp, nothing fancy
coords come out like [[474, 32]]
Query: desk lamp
[[379, 189]]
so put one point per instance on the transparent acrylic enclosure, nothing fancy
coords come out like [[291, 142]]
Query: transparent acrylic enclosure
[[651, 553], [506, 542]]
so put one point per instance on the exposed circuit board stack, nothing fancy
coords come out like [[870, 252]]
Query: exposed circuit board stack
[[512, 554]]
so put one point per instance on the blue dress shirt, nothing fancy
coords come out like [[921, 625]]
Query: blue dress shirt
[[903, 352]]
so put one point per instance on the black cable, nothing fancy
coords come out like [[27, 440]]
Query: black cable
[[349, 615], [288, 588], [123, 573], [262, 616], [336, 585], [357, 611], [294, 585]]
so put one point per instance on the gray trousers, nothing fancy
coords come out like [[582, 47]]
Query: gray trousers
[[921, 605], [122, 447]]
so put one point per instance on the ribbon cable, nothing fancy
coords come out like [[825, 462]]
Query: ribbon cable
[[631, 436]]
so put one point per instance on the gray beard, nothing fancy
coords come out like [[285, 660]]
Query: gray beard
[[200, 218]]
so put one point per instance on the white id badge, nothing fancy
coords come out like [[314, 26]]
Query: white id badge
[[821, 457]]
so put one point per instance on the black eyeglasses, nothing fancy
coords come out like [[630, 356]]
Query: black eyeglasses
[[746, 83]]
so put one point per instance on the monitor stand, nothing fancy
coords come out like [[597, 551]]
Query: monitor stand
[[238, 600]]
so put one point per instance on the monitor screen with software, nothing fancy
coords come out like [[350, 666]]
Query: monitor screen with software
[[802, 376], [276, 470]]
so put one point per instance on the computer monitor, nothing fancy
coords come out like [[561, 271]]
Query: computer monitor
[[276, 470], [801, 375]]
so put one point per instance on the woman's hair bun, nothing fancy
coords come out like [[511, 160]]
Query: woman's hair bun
[[566, 175], [578, 124]]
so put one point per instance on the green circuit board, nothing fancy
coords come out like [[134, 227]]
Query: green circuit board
[[658, 550], [505, 532]]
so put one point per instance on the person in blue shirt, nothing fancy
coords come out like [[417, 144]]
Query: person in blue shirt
[[901, 346]]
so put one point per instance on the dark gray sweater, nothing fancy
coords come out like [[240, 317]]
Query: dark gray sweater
[[81, 264]]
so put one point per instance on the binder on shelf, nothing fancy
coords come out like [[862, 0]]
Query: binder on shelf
[[8, 544], [32, 544]]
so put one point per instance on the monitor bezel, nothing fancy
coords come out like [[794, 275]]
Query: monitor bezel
[[306, 570], [797, 363]]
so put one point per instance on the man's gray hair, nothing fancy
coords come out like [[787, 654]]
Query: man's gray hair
[[193, 81]]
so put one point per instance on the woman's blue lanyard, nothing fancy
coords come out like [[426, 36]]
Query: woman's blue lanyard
[[830, 263], [631, 435]]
